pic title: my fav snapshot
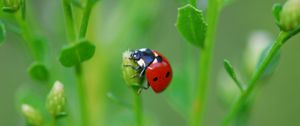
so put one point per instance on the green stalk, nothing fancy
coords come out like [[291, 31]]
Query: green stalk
[[79, 72], [82, 95], [85, 19], [138, 109], [281, 39], [69, 19], [54, 121], [205, 63], [26, 34]]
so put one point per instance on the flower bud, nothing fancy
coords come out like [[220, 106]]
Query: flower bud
[[130, 75], [33, 116], [11, 5], [257, 43], [290, 15], [56, 100]]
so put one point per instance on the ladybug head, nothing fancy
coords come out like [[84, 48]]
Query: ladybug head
[[136, 55]]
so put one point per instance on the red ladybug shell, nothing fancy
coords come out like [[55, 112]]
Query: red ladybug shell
[[159, 74]]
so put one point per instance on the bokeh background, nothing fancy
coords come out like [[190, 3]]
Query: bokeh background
[[119, 25]]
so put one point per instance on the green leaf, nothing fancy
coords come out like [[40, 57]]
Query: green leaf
[[77, 53], [273, 64], [191, 25], [228, 67], [61, 115], [38, 71], [2, 32], [276, 9]]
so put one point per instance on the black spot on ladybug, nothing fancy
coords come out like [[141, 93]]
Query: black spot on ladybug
[[167, 74], [155, 79]]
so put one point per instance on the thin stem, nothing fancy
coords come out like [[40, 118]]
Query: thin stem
[[54, 121], [27, 35], [205, 63], [138, 109], [82, 93], [282, 37], [85, 19], [78, 69], [69, 20]]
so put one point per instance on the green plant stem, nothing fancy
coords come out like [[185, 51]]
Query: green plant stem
[[282, 37], [54, 121], [138, 109], [205, 63], [85, 19], [69, 19], [26, 34], [82, 95]]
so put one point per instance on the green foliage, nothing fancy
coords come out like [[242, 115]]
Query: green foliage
[[77, 53], [191, 25], [38, 71], [2, 32], [228, 67], [276, 12]]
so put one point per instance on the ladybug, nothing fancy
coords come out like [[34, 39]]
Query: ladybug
[[154, 66]]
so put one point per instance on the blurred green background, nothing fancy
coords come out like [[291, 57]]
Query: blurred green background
[[116, 26]]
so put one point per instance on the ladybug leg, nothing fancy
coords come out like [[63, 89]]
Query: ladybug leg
[[138, 68], [143, 88], [148, 85], [134, 76], [143, 71], [140, 90]]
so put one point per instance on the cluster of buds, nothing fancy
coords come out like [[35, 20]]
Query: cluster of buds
[[32, 116], [56, 100], [129, 74], [288, 15], [11, 5]]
